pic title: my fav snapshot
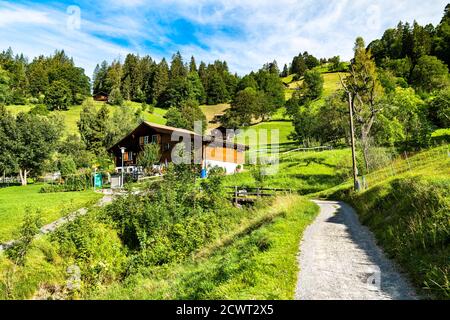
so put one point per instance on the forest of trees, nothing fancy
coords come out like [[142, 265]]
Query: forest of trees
[[54, 80], [143, 79], [399, 87]]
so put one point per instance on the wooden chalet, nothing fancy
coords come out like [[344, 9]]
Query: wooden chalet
[[101, 96], [212, 152]]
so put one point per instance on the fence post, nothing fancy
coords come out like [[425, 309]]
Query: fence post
[[407, 160], [258, 192], [235, 195]]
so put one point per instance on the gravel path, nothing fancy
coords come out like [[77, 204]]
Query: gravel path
[[340, 260]]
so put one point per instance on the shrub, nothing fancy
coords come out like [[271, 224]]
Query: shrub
[[28, 230], [92, 247]]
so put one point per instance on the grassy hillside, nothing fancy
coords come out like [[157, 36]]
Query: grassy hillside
[[305, 172], [408, 208], [255, 260], [211, 110], [330, 85], [16, 201], [72, 115]]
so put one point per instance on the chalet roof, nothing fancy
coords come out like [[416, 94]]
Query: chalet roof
[[167, 129], [100, 93]]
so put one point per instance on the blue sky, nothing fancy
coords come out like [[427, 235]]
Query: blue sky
[[244, 33]]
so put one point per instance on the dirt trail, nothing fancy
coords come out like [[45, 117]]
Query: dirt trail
[[340, 260]]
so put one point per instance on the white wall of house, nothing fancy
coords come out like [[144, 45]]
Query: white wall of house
[[230, 167]]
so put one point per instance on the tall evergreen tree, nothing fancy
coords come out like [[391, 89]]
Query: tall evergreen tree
[[192, 65], [177, 67], [160, 81]]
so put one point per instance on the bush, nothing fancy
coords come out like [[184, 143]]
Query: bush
[[175, 218], [92, 247]]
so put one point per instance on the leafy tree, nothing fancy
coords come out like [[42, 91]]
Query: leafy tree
[[293, 104], [408, 112], [58, 95], [273, 87], [365, 90], [122, 121], [93, 126], [186, 116], [32, 140], [304, 122], [115, 97], [310, 61], [4, 87], [67, 166], [37, 75], [216, 91], [243, 107], [7, 139], [248, 81], [430, 74], [298, 66], [100, 79], [73, 147], [150, 156], [439, 109], [178, 91], [132, 80], [441, 41], [175, 118], [312, 86]]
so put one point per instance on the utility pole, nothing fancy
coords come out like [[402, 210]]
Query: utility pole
[[352, 139]]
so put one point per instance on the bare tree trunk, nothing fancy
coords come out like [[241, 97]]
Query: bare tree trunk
[[23, 176]]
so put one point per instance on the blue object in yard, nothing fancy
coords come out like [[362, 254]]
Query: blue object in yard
[[203, 174], [98, 180]]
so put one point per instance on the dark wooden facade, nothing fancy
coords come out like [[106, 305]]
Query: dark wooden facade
[[101, 96], [148, 132]]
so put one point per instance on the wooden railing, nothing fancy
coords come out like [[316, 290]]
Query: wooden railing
[[251, 194]]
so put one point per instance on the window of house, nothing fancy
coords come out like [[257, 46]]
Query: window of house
[[146, 140], [167, 146], [130, 155], [155, 138]]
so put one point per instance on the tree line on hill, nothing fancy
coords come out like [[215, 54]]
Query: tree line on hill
[[143, 79], [398, 88], [54, 80]]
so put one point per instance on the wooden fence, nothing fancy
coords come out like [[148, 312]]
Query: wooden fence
[[251, 194]]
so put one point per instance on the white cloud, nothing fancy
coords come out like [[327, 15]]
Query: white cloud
[[266, 29], [12, 15]]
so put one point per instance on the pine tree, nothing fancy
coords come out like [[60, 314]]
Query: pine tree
[[160, 81], [192, 65], [177, 67]]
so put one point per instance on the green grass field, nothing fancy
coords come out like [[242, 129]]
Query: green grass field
[[255, 260], [304, 172], [16, 201]]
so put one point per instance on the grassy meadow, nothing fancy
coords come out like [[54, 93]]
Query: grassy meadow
[[303, 172], [16, 201]]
